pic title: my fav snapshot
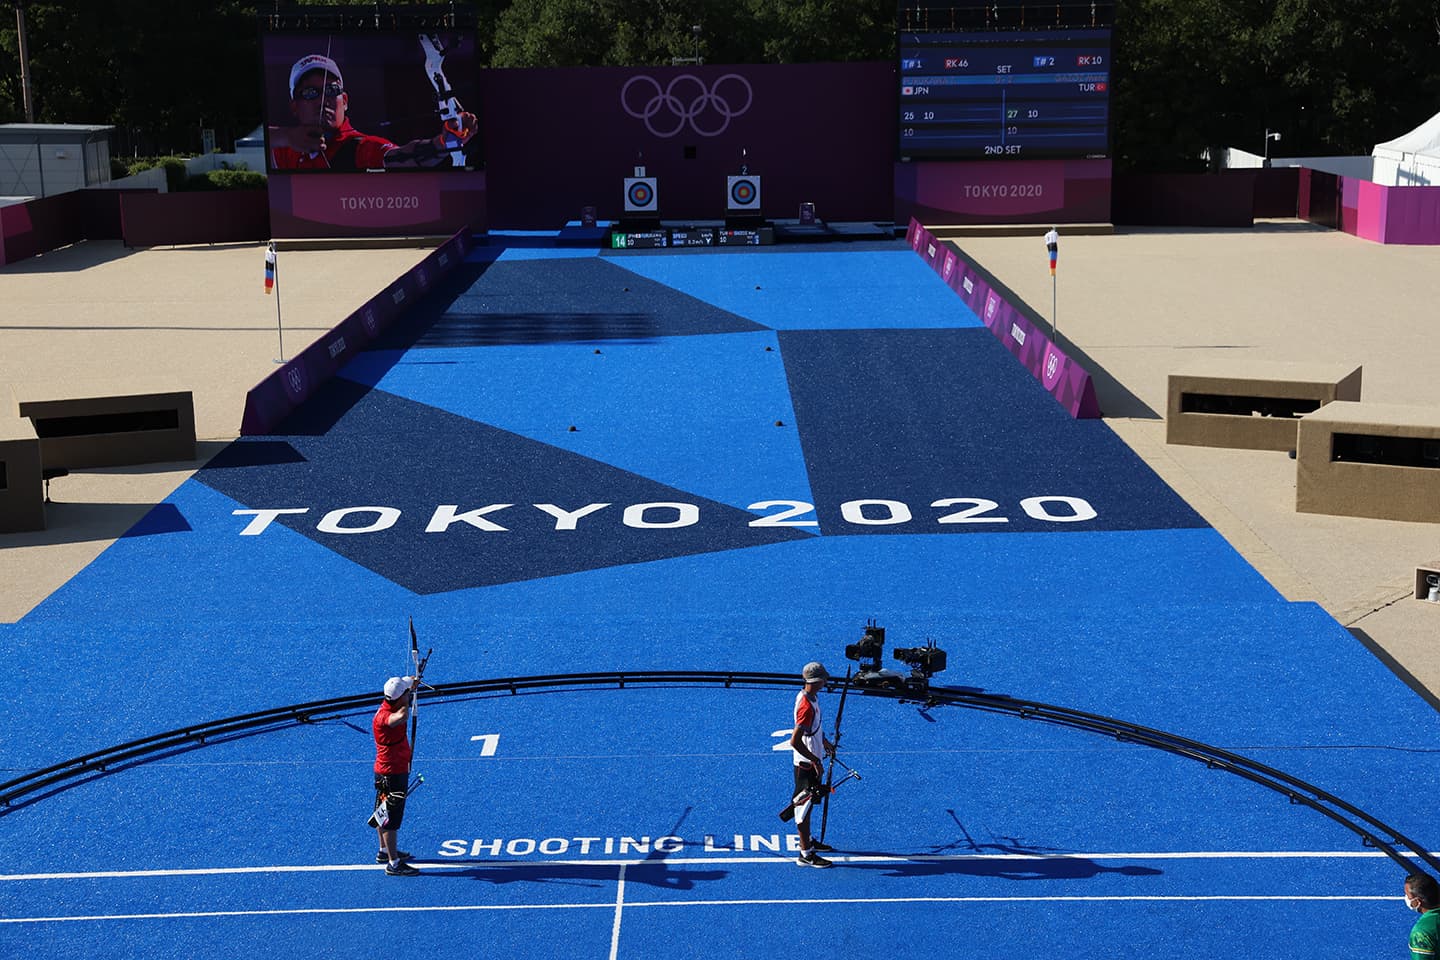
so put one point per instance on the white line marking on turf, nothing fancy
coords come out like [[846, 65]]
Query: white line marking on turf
[[697, 861], [634, 904], [619, 905]]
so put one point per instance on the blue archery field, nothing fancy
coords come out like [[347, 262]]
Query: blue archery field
[[696, 460]]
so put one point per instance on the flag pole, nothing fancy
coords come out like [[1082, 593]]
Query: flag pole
[[1052, 244], [272, 269]]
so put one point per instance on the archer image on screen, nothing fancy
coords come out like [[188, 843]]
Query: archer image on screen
[[388, 101]]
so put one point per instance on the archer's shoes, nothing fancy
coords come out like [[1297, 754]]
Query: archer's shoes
[[401, 869], [401, 855], [812, 859], [819, 847]]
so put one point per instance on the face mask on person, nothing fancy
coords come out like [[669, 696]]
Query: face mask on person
[[1413, 903]]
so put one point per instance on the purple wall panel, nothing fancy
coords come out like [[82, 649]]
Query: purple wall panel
[[1373, 211], [1370, 211], [560, 139], [1068, 382], [1186, 199], [1349, 204], [376, 204], [1412, 215], [272, 399], [37, 226], [1040, 191], [221, 216], [1276, 191]]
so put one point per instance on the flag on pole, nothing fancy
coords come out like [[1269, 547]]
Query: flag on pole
[[270, 267], [1052, 243]]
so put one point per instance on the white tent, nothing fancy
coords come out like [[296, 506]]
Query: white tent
[[1412, 160]]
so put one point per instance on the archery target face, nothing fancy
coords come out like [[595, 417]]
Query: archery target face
[[743, 194], [641, 195]]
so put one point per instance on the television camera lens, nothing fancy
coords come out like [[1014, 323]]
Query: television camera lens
[[922, 660]]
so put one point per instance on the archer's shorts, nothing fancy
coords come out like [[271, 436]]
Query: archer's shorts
[[390, 787], [806, 779]]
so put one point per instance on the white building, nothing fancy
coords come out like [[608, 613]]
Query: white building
[[43, 159], [1412, 160]]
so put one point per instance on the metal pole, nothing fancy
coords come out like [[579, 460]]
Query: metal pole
[[1052, 246], [24, 62], [1054, 316], [279, 327]]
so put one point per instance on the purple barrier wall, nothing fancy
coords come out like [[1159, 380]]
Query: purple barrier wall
[[1383, 214], [560, 139], [1185, 199], [1349, 190], [102, 214], [1276, 191], [1369, 204], [1319, 198], [1012, 325], [220, 216], [272, 399], [1022, 191], [376, 204], [37, 226], [1412, 215]]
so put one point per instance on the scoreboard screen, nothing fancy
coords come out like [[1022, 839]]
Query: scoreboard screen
[[1019, 95]]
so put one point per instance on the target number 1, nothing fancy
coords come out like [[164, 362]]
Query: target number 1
[[489, 742]]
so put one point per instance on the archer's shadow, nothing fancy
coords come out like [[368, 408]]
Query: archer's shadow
[[1039, 868], [653, 873]]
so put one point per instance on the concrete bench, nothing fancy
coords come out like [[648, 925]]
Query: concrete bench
[[22, 501], [1251, 404], [1370, 460], [1427, 582], [108, 425]]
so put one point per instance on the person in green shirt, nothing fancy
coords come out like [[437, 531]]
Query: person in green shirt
[[1422, 894]]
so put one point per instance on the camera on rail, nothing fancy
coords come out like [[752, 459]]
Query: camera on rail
[[870, 648], [868, 652], [923, 661]]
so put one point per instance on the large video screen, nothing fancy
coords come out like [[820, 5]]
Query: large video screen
[[1010, 94], [346, 102]]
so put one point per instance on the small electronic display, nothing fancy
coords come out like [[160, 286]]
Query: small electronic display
[[740, 238], [693, 237], [639, 240]]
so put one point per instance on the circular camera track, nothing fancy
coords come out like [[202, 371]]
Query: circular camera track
[[1371, 831]]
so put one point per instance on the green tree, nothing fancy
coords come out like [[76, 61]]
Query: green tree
[[1331, 76]]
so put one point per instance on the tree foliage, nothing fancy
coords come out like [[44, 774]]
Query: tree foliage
[[1332, 76]]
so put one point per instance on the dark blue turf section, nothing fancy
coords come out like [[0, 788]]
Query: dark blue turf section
[[440, 458], [892, 411], [744, 425]]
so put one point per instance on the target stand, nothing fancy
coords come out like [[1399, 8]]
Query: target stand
[[742, 201], [642, 203]]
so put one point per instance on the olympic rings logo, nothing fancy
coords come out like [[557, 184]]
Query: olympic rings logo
[[687, 101]]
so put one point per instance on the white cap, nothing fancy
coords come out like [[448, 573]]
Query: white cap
[[396, 687], [313, 61], [813, 671]]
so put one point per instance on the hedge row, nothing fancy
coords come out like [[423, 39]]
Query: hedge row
[[176, 177]]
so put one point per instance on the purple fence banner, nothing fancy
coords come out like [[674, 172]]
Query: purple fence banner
[[273, 399], [1067, 381], [1021, 191]]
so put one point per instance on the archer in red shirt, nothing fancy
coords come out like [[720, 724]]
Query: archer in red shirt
[[392, 773], [322, 137]]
